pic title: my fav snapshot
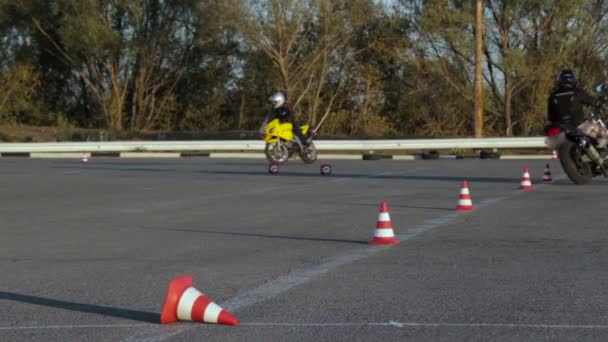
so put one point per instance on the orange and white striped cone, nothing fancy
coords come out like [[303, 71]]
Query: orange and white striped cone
[[186, 303], [554, 155], [464, 199], [547, 175], [384, 235], [526, 183]]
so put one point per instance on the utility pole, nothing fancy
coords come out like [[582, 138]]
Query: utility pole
[[478, 71]]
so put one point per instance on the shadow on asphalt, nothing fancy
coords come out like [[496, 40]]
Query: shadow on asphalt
[[364, 176], [127, 168], [422, 207], [391, 205], [124, 162], [141, 316], [264, 173], [268, 236]]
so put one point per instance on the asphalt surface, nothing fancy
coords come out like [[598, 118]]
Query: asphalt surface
[[87, 251]]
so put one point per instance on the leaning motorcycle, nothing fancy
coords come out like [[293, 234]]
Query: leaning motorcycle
[[582, 149], [281, 143]]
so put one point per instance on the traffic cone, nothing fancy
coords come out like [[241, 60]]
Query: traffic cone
[[464, 199], [384, 234], [186, 303], [547, 175], [554, 155], [273, 168], [526, 183], [85, 158]]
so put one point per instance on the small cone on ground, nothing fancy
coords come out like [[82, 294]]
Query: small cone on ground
[[526, 183], [185, 303], [326, 170], [547, 175], [384, 234], [554, 155], [464, 199], [85, 157], [273, 168]]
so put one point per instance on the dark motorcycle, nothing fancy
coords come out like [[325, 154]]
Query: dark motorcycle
[[582, 149]]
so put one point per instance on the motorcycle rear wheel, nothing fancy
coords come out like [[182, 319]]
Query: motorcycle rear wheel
[[309, 154], [277, 152], [578, 171]]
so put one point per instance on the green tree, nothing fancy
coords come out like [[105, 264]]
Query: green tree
[[18, 103], [526, 42], [125, 55]]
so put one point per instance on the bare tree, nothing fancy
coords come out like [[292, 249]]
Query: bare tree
[[303, 38]]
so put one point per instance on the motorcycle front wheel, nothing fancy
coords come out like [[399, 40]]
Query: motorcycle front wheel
[[309, 154], [578, 171], [276, 152]]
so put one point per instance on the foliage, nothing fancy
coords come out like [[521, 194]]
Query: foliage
[[358, 67], [18, 104]]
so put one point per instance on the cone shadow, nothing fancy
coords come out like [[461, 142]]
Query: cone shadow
[[422, 207], [266, 236], [142, 316]]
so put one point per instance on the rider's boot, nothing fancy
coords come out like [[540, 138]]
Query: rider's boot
[[304, 140]]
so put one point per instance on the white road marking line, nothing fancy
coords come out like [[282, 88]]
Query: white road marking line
[[75, 326], [396, 324], [434, 324], [370, 324], [299, 277]]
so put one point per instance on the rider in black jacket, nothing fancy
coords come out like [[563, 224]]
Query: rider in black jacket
[[565, 105], [284, 112]]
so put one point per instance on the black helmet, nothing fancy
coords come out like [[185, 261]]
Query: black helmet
[[566, 78]]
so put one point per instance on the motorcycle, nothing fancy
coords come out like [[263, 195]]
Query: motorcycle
[[281, 143], [582, 150]]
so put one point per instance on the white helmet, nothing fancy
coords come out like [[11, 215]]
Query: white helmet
[[277, 100]]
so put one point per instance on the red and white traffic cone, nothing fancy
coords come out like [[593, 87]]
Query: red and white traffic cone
[[554, 155], [186, 303], [526, 183], [547, 175], [464, 199], [384, 235]]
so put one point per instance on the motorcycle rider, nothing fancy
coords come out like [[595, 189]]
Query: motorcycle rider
[[565, 105], [283, 111], [565, 108]]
